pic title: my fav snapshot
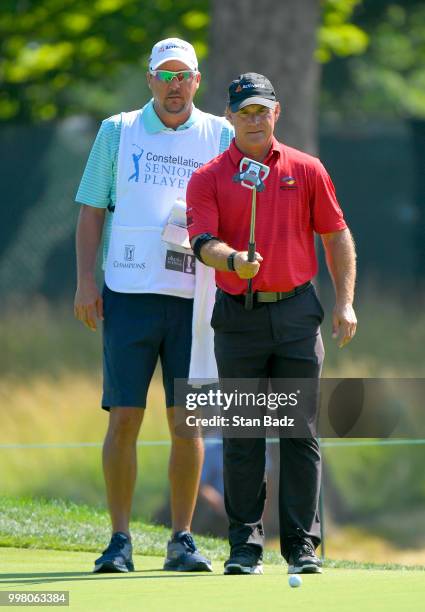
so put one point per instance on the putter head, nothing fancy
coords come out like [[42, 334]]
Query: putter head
[[252, 174]]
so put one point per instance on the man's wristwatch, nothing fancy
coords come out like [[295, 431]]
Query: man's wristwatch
[[231, 261]]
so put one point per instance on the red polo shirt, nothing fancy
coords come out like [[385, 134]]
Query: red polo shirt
[[299, 199]]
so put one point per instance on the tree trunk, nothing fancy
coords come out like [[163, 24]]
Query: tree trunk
[[276, 38]]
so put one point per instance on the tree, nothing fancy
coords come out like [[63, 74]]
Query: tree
[[277, 39], [387, 82], [61, 57], [52, 47], [283, 40], [388, 79]]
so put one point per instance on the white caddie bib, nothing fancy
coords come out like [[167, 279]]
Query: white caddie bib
[[153, 171]]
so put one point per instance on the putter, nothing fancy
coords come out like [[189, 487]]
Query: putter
[[251, 175]]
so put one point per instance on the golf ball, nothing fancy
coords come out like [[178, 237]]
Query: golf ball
[[295, 581]]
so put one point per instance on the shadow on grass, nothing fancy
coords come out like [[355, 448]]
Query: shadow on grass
[[21, 578]]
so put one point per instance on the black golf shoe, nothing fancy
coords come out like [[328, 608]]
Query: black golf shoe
[[117, 557], [303, 559], [244, 559]]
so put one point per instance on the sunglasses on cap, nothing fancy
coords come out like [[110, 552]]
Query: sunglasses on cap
[[166, 76]]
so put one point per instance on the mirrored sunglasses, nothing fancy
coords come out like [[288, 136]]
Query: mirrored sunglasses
[[166, 76]]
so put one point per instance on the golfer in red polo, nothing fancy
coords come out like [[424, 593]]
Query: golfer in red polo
[[280, 336]]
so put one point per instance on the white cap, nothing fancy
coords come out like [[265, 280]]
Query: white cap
[[173, 49]]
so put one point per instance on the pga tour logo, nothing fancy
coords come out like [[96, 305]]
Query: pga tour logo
[[129, 250]]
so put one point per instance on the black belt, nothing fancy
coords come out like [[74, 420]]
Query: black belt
[[271, 296]]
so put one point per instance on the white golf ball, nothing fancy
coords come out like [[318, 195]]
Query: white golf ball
[[295, 581]]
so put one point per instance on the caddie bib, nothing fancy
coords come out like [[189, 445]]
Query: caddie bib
[[153, 171]]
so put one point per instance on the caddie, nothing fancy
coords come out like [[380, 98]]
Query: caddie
[[133, 190]]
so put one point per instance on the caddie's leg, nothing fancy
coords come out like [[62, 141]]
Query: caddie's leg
[[184, 471], [132, 332], [187, 454], [120, 464]]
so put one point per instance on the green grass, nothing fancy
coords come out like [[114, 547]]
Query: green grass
[[56, 524], [50, 386], [60, 525], [389, 339], [149, 588], [64, 409], [51, 545], [46, 339]]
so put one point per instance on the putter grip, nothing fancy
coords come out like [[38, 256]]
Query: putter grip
[[249, 297]]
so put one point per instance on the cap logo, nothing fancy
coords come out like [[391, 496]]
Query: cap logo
[[174, 46], [254, 86], [175, 49], [250, 88]]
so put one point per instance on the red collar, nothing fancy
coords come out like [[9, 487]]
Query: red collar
[[236, 155]]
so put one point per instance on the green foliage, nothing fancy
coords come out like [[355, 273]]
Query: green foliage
[[51, 47], [62, 57], [377, 482], [392, 74], [388, 79], [336, 36]]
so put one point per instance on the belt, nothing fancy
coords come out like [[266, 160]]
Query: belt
[[272, 296]]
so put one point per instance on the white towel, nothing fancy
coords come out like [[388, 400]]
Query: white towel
[[175, 232], [203, 367]]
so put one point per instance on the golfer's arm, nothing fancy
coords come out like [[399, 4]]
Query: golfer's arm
[[88, 237], [341, 261], [215, 254]]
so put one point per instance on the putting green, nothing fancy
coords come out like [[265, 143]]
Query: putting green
[[151, 589]]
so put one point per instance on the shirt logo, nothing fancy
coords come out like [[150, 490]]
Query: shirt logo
[[180, 262], [288, 182], [129, 252], [129, 259], [136, 159]]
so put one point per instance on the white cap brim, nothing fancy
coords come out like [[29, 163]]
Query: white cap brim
[[170, 59]]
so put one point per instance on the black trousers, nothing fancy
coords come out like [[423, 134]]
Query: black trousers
[[277, 340]]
